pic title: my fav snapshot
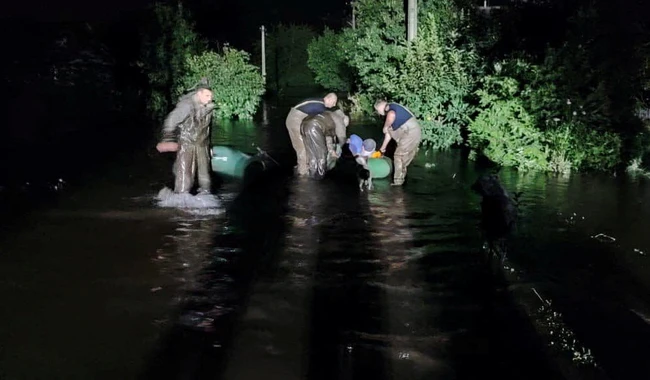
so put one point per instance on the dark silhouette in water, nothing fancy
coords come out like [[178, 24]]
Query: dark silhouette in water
[[498, 214], [363, 176]]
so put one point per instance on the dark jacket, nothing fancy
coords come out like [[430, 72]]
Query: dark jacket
[[189, 122]]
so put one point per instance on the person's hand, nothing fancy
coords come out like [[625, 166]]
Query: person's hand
[[167, 147]]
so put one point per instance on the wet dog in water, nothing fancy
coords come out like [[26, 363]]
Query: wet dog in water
[[363, 173], [498, 213]]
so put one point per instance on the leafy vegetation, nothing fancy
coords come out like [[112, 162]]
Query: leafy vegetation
[[568, 101], [175, 58]]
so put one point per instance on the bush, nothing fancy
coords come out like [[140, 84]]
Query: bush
[[503, 130], [435, 81], [328, 56], [167, 41], [237, 85], [523, 122], [433, 76]]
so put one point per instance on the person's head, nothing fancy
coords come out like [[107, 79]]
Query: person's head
[[380, 107], [204, 96], [330, 100], [369, 146]]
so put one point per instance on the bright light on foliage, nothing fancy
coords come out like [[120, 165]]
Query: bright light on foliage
[[237, 85]]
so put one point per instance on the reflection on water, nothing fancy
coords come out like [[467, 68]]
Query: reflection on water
[[186, 256]]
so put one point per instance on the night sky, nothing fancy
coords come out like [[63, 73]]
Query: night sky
[[231, 21]]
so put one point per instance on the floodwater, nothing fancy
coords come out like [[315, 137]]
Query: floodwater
[[297, 279]]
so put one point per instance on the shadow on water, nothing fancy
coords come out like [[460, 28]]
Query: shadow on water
[[345, 307], [239, 243]]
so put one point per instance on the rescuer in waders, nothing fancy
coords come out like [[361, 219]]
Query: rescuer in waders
[[186, 131], [308, 107], [322, 134], [401, 126]]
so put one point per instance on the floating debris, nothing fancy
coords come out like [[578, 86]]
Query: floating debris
[[604, 238], [640, 252], [573, 218]]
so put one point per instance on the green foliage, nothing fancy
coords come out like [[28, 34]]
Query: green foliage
[[503, 130], [522, 123], [361, 105], [175, 58], [433, 76], [237, 85], [385, 16], [287, 56], [584, 89], [328, 60], [434, 81], [559, 106], [168, 39]]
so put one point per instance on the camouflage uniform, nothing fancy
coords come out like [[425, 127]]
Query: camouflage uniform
[[318, 133], [408, 138], [189, 125]]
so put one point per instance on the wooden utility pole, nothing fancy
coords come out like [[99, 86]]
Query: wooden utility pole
[[263, 53], [412, 20]]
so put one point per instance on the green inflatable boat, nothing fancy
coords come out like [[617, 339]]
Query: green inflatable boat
[[229, 162], [234, 163], [380, 167]]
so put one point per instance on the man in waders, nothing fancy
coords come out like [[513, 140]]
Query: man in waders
[[186, 131], [401, 126], [308, 107], [319, 133]]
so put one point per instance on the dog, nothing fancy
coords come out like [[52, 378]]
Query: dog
[[363, 173], [498, 214]]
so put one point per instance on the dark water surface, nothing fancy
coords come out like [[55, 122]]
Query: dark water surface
[[304, 280]]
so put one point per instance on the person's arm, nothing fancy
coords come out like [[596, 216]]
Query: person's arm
[[341, 122], [168, 141], [332, 148], [390, 119], [173, 120], [385, 143], [205, 110]]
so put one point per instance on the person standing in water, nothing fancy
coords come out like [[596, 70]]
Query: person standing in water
[[298, 113], [323, 135], [402, 126], [186, 131]]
